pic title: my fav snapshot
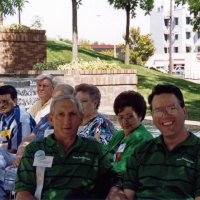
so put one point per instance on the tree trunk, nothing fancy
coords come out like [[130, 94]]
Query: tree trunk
[[170, 67], [74, 31], [127, 50], [1, 18], [19, 16]]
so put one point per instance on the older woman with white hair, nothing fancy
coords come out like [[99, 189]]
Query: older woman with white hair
[[94, 125]]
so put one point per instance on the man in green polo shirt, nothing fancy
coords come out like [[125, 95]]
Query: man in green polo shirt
[[63, 165], [167, 167]]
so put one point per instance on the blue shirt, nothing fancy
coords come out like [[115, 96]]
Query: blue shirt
[[18, 124], [41, 127]]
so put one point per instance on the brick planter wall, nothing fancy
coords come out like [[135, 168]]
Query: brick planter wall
[[20, 50], [109, 82]]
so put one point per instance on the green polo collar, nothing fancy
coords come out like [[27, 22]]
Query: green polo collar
[[190, 141]]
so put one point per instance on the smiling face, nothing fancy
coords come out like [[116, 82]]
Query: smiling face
[[128, 120], [65, 119], [44, 89], [169, 116], [6, 104]]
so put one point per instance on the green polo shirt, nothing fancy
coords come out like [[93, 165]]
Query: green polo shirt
[[138, 136], [75, 174], [153, 172]]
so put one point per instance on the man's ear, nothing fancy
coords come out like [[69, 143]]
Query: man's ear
[[50, 119], [15, 101], [185, 110]]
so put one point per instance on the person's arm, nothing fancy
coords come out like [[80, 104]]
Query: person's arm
[[25, 195], [4, 146], [130, 194], [116, 193], [21, 149]]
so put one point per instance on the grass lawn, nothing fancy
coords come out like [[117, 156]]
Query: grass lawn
[[147, 78]]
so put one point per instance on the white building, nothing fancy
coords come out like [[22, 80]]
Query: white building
[[185, 42]]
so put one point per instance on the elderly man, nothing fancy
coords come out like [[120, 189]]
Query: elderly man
[[45, 86], [41, 130], [167, 167], [63, 165], [15, 124]]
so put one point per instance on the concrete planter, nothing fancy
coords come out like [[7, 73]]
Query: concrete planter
[[109, 82]]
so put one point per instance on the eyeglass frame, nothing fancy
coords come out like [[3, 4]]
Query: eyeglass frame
[[170, 110]]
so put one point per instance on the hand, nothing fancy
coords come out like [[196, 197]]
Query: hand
[[16, 162], [116, 193]]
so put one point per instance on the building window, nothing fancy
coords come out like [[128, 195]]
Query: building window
[[176, 20], [188, 20], [166, 21], [165, 49], [175, 49], [188, 49], [198, 48], [188, 35], [166, 37], [176, 36]]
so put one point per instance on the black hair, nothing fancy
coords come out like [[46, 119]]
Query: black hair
[[132, 99], [8, 89], [169, 89]]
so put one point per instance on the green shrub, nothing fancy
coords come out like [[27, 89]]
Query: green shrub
[[96, 64], [19, 27], [48, 66]]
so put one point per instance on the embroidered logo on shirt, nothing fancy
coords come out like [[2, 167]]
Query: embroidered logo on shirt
[[189, 162], [81, 158]]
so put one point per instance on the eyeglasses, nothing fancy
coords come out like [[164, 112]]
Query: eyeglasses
[[171, 110], [4, 102], [126, 117]]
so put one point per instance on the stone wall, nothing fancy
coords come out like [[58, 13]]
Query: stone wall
[[20, 50], [109, 82]]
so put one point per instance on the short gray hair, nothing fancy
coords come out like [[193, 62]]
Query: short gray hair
[[63, 97], [46, 76], [64, 89]]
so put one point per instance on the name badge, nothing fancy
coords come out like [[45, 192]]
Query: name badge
[[40, 160], [121, 148], [48, 132], [5, 135]]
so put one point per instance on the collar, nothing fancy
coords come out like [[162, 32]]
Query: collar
[[55, 144], [190, 141], [11, 114]]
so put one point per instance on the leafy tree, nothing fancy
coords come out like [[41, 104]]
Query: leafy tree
[[194, 7], [141, 47], [130, 7], [75, 4], [7, 7], [37, 22]]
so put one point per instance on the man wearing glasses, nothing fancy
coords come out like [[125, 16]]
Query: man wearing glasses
[[167, 167], [15, 124]]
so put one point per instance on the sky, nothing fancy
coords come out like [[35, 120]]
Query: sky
[[97, 20]]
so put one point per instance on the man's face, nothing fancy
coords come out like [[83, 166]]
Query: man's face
[[65, 119], [168, 115], [6, 104], [44, 89]]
